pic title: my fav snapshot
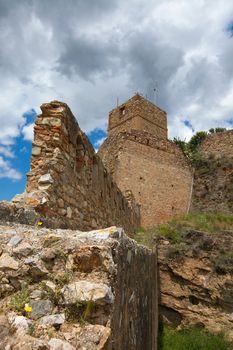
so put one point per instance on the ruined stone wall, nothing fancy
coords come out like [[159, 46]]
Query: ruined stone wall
[[139, 114], [87, 290], [69, 179], [213, 180], [218, 144], [155, 171]]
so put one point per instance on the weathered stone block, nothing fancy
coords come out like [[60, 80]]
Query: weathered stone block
[[36, 151], [45, 179]]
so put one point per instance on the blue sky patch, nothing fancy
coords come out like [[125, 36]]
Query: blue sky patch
[[30, 116], [96, 137], [21, 160], [188, 124], [230, 29]]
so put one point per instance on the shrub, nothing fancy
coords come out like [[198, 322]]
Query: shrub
[[216, 130], [170, 232], [190, 148], [196, 140]]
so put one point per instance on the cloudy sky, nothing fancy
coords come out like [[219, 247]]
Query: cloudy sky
[[89, 52]]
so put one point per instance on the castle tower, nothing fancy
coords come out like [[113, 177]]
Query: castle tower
[[143, 162], [138, 114]]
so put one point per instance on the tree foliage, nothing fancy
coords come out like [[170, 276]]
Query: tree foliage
[[196, 140], [216, 130], [190, 148]]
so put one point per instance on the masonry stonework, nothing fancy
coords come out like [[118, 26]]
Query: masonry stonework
[[143, 162], [138, 114], [213, 180], [218, 144], [67, 180]]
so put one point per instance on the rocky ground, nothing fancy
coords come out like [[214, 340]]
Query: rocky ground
[[196, 281]]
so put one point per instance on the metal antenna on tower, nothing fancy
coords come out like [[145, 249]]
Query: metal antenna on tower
[[156, 90]]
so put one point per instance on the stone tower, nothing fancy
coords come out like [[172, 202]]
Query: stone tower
[[138, 114], [144, 163]]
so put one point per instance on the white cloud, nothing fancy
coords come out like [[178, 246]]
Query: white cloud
[[6, 152], [114, 49], [6, 170], [99, 142], [27, 132]]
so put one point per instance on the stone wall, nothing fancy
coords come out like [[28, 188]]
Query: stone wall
[[67, 180], [213, 180], [154, 170], [139, 114], [218, 144], [64, 289]]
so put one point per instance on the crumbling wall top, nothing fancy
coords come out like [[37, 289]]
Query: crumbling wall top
[[67, 183], [218, 144]]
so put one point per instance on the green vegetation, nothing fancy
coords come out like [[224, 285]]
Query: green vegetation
[[79, 312], [196, 140], [208, 222], [190, 148], [21, 298], [192, 339], [176, 229], [216, 130]]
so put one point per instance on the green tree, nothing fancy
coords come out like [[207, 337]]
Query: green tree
[[196, 140], [216, 130], [181, 143]]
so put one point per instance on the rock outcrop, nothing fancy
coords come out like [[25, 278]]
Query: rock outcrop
[[64, 289], [196, 281]]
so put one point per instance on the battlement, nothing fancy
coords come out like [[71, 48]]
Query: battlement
[[138, 114]]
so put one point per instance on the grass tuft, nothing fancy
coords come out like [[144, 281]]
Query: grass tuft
[[19, 300], [192, 339], [176, 229]]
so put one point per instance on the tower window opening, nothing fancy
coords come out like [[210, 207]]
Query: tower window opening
[[122, 111]]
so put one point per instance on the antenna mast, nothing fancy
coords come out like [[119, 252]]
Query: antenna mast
[[156, 90]]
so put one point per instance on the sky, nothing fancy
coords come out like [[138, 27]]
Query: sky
[[91, 53]]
